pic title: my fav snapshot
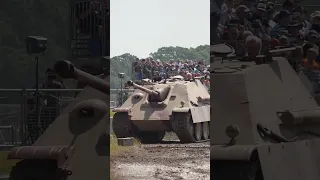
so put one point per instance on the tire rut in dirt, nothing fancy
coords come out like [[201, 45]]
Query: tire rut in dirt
[[165, 161]]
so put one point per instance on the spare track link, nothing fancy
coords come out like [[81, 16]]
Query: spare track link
[[183, 127], [121, 125]]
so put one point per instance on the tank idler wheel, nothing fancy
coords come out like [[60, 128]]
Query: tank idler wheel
[[197, 131], [205, 130], [150, 137], [121, 125], [183, 127]]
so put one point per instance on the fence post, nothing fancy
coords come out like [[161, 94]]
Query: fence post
[[13, 142], [58, 105], [23, 115]]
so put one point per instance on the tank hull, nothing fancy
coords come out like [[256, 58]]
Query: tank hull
[[275, 120], [184, 109]]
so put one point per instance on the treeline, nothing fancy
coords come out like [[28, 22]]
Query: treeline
[[123, 63]]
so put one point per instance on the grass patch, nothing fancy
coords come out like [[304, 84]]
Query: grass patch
[[116, 150], [6, 165], [111, 113]]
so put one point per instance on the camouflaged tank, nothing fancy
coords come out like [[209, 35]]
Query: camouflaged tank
[[171, 105], [78, 137], [266, 123]]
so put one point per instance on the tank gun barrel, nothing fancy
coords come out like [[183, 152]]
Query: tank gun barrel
[[148, 91], [67, 70]]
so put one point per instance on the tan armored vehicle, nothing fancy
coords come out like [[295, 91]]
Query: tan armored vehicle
[[266, 122], [76, 145], [171, 105]]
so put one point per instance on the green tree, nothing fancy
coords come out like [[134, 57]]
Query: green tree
[[167, 53], [121, 64]]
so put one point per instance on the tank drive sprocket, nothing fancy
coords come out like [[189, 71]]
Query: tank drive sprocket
[[183, 126], [121, 125]]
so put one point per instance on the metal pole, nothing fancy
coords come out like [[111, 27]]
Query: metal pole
[[23, 115], [37, 94], [121, 97]]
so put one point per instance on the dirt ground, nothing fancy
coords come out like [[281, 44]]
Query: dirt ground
[[169, 160]]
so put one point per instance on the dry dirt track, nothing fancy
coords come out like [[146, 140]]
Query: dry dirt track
[[167, 161]]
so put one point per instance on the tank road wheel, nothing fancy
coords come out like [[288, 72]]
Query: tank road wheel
[[183, 127], [121, 125], [209, 129], [205, 130], [197, 131], [150, 137]]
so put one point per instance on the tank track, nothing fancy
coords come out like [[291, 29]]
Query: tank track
[[45, 169], [231, 169], [121, 125], [183, 127]]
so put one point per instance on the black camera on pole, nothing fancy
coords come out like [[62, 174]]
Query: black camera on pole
[[36, 44]]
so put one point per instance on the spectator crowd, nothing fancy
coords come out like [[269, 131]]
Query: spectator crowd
[[253, 27], [157, 70]]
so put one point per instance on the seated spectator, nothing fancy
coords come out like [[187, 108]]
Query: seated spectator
[[282, 25], [313, 37], [253, 46], [288, 5], [242, 12], [294, 29], [315, 21], [284, 41], [245, 34]]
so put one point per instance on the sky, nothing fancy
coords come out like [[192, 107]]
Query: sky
[[140, 27]]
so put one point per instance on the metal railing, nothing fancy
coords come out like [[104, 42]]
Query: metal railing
[[88, 28], [17, 112], [16, 118]]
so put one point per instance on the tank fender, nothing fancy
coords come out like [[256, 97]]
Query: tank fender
[[297, 160], [200, 114], [180, 110], [238, 152]]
